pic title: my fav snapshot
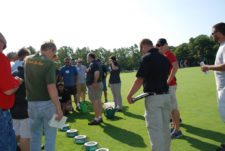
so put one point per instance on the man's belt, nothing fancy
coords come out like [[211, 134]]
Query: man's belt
[[156, 93], [146, 94]]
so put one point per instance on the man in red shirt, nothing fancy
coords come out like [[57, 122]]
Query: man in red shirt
[[8, 86], [171, 81]]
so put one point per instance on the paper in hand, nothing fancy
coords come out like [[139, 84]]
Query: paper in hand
[[57, 124]]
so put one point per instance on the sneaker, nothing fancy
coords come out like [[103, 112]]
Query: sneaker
[[42, 146], [176, 134], [95, 122]]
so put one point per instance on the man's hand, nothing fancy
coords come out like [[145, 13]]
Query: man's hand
[[205, 68], [59, 114], [129, 99], [19, 79]]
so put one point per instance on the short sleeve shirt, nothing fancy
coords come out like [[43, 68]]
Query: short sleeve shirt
[[81, 69], [39, 72], [7, 82], [154, 69], [69, 74], [172, 58], [93, 67], [114, 75], [220, 59]]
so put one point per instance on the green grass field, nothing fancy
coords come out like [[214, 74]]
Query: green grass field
[[202, 128]]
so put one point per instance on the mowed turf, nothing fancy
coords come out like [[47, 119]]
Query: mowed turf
[[202, 127]]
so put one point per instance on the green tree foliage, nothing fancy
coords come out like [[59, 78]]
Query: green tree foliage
[[81, 53], [64, 52], [200, 48]]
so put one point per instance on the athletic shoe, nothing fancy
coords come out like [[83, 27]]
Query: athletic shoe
[[95, 122], [176, 134], [42, 146]]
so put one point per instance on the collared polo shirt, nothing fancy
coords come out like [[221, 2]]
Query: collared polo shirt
[[93, 67], [154, 69], [69, 74]]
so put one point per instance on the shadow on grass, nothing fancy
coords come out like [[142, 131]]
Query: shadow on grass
[[76, 115], [215, 136], [132, 115], [123, 135], [200, 145]]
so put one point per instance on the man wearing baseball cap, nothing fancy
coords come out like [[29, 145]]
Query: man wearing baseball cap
[[171, 81], [8, 87]]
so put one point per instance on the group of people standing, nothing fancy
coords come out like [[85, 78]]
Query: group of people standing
[[32, 92], [38, 77], [77, 77]]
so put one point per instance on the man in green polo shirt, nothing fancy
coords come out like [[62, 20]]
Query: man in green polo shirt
[[42, 96]]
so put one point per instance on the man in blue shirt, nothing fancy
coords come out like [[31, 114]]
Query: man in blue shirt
[[68, 73]]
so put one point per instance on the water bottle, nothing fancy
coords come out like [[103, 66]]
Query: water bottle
[[202, 64]]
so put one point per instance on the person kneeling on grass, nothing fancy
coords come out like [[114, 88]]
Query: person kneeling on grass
[[64, 98]]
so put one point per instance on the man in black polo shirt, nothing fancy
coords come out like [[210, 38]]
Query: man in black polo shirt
[[153, 74], [94, 84]]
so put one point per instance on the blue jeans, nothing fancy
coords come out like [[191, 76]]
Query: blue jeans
[[7, 134], [40, 113]]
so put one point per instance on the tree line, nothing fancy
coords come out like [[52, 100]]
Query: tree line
[[200, 48]]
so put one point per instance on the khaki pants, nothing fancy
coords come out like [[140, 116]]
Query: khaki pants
[[116, 91], [157, 114]]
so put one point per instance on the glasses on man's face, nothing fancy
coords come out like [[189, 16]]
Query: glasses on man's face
[[67, 62]]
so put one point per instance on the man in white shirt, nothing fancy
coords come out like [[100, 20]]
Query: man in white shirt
[[218, 35]]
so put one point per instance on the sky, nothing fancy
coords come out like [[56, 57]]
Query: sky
[[106, 23]]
